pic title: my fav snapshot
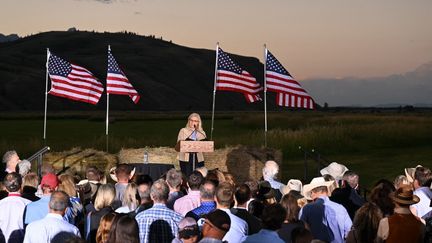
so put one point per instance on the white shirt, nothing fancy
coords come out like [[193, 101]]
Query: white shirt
[[423, 207], [44, 230], [11, 213], [238, 230]]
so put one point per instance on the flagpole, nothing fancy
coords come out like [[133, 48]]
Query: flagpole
[[107, 112], [46, 96], [265, 96], [214, 91]]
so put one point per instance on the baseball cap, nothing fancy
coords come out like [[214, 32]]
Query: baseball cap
[[50, 180], [219, 219]]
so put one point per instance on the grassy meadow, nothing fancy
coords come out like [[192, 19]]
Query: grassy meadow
[[377, 145]]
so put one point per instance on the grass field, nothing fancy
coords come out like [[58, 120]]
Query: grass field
[[377, 145]]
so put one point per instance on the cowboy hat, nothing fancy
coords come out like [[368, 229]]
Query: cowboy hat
[[409, 172], [293, 184], [317, 182], [404, 195], [114, 176], [335, 169]]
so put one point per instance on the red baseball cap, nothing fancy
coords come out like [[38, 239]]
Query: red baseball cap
[[50, 180]]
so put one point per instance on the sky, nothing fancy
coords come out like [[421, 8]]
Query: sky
[[311, 38]]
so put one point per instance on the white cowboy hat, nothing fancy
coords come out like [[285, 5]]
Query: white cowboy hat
[[292, 184], [409, 172], [335, 169], [114, 176], [317, 182]]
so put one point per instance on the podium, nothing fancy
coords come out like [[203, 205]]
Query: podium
[[188, 146]]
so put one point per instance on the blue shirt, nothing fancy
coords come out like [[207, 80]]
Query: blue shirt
[[158, 211], [264, 235], [37, 210], [328, 221], [44, 230]]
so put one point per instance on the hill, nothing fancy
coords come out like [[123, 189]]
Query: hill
[[167, 76]]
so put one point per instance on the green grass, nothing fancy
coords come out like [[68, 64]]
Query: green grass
[[376, 145]]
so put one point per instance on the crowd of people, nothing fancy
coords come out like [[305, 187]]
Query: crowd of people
[[210, 206]]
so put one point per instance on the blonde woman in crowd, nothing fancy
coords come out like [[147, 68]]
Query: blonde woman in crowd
[[104, 199], [104, 228], [130, 200], [29, 187]]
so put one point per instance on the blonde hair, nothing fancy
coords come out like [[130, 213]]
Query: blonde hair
[[129, 196], [31, 179], [401, 180], [196, 115], [67, 184], [105, 196], [104, 227]]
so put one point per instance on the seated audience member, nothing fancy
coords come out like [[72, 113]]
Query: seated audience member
[[29, 187], [208, 204], [130, 199], [242, 196], [192, 200], [39, 209], [174, 181], [216, 225], [12, 209], [269, 171], [272, 218], [365, 225], [159, 194], [103, 205], [347, 194], [224, 199], [289, 202], [122, 174], [402, 226], [103, 231], [336, 170], [144, 183], [45, 229], [400, 180], [422, 183], [124, 229], [188, 231], [75, 212], [10, 160], [24, 167], [324, 210], [381, 196]]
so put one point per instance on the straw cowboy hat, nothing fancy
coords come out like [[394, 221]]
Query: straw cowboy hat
[[335, 169], [114, 176], [293, 184], [404, 195], [317, 182], [409, 172]]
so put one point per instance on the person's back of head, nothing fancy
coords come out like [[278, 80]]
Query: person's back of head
[[256, 208], [159, 191], [195, 180], [423, 176], [301, 235], [93, 174], [253, 186], [207, 191], [123, 172], [273, 216], [224, 195], [242, 195], [289, 202], [24, 167], [31, 179], [67, 184], [13, 182], [104, 196], [105, 227], [160, 231], [216, 224], [66, 237], [124, 229], [59, 202], [366, 221], [174, 178], [130, 196]]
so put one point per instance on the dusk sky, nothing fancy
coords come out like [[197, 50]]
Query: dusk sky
[[327, 38]]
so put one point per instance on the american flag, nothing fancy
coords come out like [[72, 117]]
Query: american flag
[[117, 82], [231, 77], [289, 92], [72, 81]]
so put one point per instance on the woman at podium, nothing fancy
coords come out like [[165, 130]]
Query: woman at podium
[[192, 131]]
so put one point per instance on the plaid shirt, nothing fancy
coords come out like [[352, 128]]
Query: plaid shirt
[[158, 211]]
